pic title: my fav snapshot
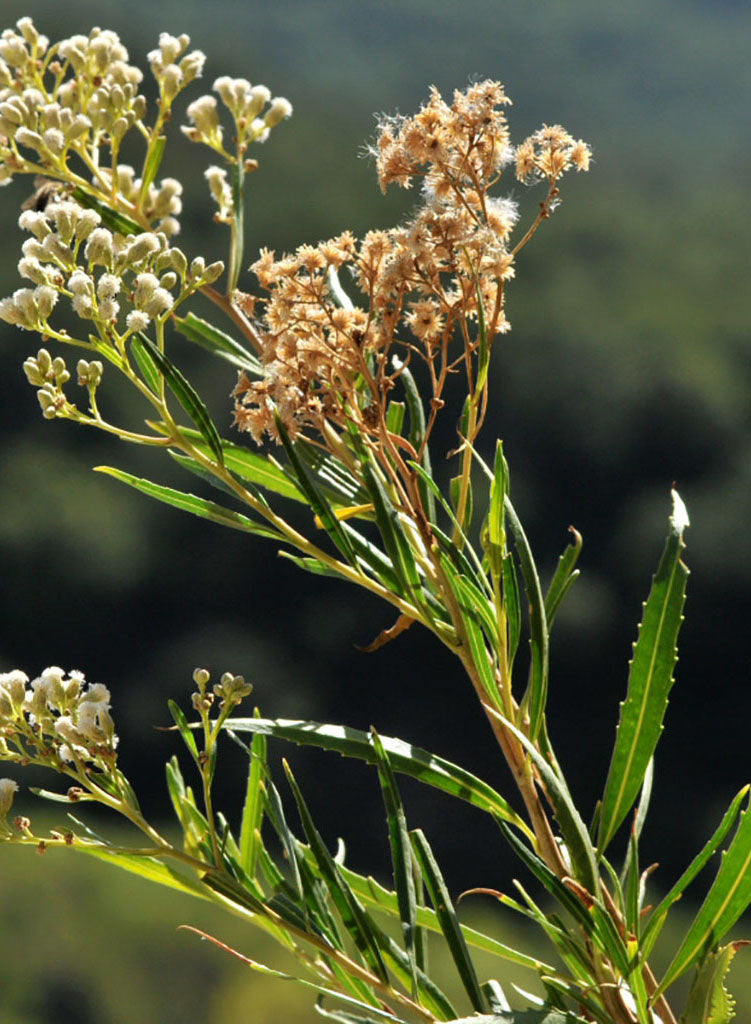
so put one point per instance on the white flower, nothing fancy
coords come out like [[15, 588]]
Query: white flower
[[137, 320]]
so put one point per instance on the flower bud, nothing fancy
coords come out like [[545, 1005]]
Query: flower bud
[[201, 676], [279, 109], [100, 248], [8, 789]]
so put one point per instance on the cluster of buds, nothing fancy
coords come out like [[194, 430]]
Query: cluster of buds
[[160, 203], [91, 97], [246, 104], [48, 375], [172, 67], [89, 373], [79, 94], [230, 691], [72, 255], [56, 720]]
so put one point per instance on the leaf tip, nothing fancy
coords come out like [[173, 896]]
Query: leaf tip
[[679, 517]]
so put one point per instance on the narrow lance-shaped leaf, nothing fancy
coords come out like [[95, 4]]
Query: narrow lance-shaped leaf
[[111, 219], [146, 364], [565, 574], [496, 537], [728, 897], [449, 922], [639, 819], [395, 541], [151, 167], [401, 854], [253, 808], [193, 504], [650, 680], [218, 342], [404, 758], [470, 605], [535, 697], [318, 501], [417, 427], [186, 395], [353, 914], [657, 918]]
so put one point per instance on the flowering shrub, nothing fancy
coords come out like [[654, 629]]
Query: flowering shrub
[[346, 356]]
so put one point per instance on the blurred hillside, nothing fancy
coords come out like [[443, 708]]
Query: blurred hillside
[[628, 368]]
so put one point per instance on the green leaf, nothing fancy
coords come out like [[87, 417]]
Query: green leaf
[[261, 470], [404, 758], [394, 538], [316, 498], [565, 574], [112, 219], [496, 513], [455, 492], [709, 1002], [513, 606], [483, 346], [469, 601], [372, 893], [186, 395], [193, 504], [630, 878], [417, 427], [146, 364], [573, 829], [657, 918], [147, 867], [253, 807], [331, 473], [354, 916], [205, 334], [401, 854], [184, 729], [535, 697], [727, 899], [151, 167], [548, 878], [650, 680], [449, 922], [395, 417]]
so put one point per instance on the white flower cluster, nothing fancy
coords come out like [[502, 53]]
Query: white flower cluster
[[56, 719], [49, 375], [92, 96], [80, 93], [71, 254], [246, 104], [172, 70]]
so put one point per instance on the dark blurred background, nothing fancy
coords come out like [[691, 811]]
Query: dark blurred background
[[628, 368]]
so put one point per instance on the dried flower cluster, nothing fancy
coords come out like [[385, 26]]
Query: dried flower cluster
[[57, 720], [328, 359]]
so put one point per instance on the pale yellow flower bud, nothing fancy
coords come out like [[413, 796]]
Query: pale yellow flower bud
[[100, 248], [279, 109]]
